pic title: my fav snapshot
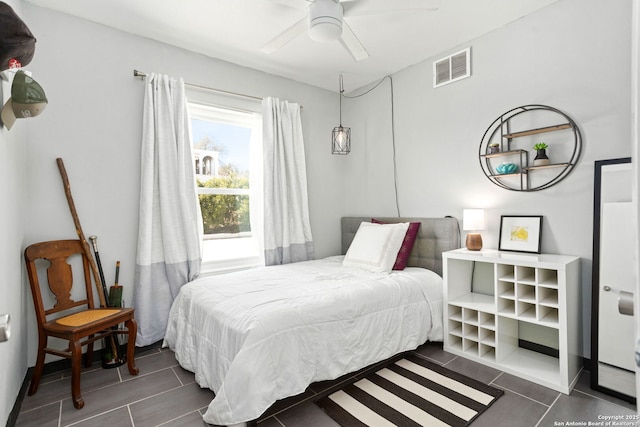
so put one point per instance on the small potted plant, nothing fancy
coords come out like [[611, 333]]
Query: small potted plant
[[541, 154], [494, 147]]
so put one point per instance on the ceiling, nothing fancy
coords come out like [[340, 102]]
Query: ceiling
[[236, 30]]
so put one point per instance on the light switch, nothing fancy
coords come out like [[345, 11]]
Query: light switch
[[5, 331]]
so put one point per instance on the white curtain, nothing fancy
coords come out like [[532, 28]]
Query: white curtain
[[170, 229], [287, 233]]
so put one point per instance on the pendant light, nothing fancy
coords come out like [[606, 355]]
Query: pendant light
[[341, 136]]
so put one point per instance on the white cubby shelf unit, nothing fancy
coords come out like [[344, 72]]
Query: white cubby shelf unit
[[490, 295]]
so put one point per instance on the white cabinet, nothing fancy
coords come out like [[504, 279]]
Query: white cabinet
[[493, 299]]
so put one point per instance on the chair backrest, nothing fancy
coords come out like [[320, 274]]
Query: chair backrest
[[59, 275]]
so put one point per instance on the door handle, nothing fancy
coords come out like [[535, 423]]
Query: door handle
[[625, 303], [625, 300]]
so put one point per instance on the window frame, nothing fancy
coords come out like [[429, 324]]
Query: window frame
[[211, 106]]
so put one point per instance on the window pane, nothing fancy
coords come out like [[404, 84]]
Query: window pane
[[221, 152], [224, 213]]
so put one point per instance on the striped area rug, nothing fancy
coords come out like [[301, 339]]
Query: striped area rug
[[410, 392]]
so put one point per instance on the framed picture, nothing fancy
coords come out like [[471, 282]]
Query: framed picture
[[519, 233]]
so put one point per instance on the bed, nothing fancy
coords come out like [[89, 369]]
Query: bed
[[260, 335]]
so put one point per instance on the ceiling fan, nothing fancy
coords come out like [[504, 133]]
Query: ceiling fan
[[325, 20]]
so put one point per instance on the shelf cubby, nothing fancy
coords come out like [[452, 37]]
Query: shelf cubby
[[548, 297], [470, 346], [487, 352], [526, 311], [548, 316], [455, 313], [506, 307], [525, 275], [455, 328], [506, 273], [526, 293], [470, 331], [487, 321], [547, 277], [506, 290], [487, 337], [454, 342], [469, 316]]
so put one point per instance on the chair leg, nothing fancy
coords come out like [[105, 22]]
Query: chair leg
[[132, 327], [76, 361], [89, 355], [37, 372]]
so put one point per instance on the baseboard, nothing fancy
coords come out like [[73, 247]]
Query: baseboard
[[13, 416], [53, 367]]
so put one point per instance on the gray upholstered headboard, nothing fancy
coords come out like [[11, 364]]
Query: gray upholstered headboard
[[436, 235]]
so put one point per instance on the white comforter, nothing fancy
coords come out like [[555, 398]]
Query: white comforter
[[261, 335]]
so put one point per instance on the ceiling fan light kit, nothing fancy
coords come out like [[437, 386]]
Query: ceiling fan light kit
[[325, 20]]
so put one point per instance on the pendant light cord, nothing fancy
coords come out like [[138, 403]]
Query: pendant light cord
[[393, 131], [341, 95]]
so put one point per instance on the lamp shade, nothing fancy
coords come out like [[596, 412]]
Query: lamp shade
[[473, 219]]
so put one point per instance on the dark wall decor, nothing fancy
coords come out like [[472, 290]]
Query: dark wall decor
[[520, 233], [511, 142]]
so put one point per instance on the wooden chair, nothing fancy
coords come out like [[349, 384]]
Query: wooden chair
[[89, 324]]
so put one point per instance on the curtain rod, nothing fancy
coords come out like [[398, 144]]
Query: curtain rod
[[137, 73]]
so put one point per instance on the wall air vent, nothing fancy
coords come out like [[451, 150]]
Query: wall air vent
[[453, 67]]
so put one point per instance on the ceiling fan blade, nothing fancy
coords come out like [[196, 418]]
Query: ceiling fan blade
[[297, 4], [371, 7], [286, 36], [351, 43]]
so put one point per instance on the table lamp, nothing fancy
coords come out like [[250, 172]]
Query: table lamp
[[473, 221]]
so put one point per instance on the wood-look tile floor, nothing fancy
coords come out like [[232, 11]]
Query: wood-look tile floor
[[164, 394]]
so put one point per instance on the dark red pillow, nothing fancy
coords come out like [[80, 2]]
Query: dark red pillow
[[407, 244]]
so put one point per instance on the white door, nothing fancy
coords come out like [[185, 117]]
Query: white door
[[615, 300]]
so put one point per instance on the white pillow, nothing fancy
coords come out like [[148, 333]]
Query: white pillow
[[375, 246]]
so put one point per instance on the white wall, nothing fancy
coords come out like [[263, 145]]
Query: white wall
[[93, 122], [13, 213], [573, 55]]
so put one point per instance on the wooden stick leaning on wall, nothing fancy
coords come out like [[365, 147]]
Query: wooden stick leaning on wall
[[85, 245]]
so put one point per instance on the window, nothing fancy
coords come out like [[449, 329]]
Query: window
[[225, 141]]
